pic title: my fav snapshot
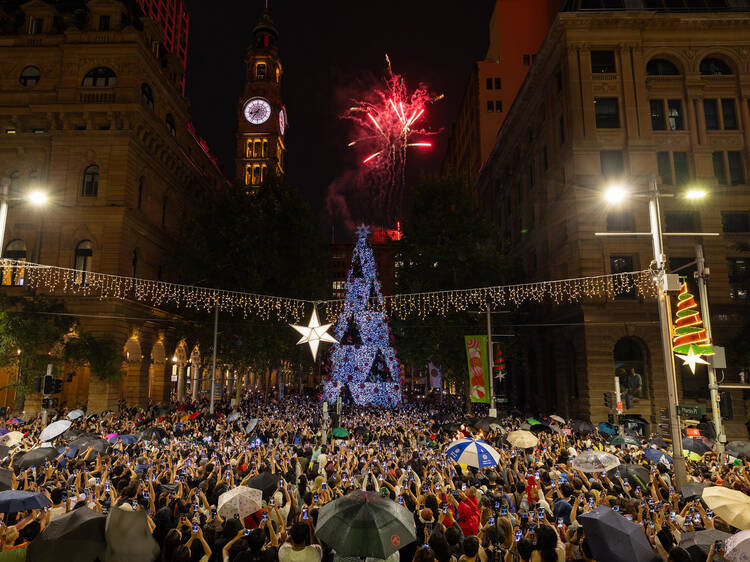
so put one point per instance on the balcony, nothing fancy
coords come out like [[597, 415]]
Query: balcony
[[97, 95]]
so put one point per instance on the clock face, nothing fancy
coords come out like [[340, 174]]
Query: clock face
[[282, 120], [257, 110]]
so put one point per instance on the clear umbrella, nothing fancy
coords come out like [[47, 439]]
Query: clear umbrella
[[74, 415], [11, 439], [241, 500], [557, 419], [54, 429], [595, 461], [737, 547]]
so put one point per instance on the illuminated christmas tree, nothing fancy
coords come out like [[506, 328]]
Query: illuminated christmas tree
[[690, 341], [364, 361]]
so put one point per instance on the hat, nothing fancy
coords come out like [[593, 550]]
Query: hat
[[425, 516]]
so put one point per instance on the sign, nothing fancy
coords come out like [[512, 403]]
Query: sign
[[665, 426], [476, 356], [435, 375], [693, 412]]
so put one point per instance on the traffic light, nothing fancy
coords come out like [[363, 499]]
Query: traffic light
[[608, 400], [45, 403], [48, 384], [57, 386], [628, 401], [38, 384], [725, 405], [55, 402]]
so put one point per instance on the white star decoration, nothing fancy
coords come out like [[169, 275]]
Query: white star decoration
[[314, 333], [691, 359], [362, 229]]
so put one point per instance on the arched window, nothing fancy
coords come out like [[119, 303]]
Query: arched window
[[265, 148], [260, 71], [661, 67], [15, 250], [101, 76], [147, 96], [711, 65], [257, 149], [169, 120], [30, 76], [90, 186], [630, 367], [139, 201], [83, 256]]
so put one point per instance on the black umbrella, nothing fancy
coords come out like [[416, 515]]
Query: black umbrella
[[451, 427], [470, 421], [128, 537], [695, 445], [6, 479], [361, 430], [484, 423], [699, 543], [692, 490], [35, 457], [97, 444], [4, 450], [580, 426], [635, 474], [13, 501], [365, 524], [516, 414], [266, 482], [539, 427], [79, 534], [739, 449], [613, 538], [152, 434], [658, 441]]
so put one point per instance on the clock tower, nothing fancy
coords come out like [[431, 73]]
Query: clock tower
[[261, 115]]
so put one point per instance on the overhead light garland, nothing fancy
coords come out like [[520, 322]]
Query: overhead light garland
[[61, 280]]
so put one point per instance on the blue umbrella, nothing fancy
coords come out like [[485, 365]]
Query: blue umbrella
[[613, 538], [605, 427], [656, 456], [472, 452], [13, 501], [126, 439]]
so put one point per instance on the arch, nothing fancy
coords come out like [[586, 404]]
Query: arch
[[30, 76], [90, 184], [14, 276], [158, 353], [660, 66], [715, 65], [100, 77], [630, 365], [147, 95], [180, 355], [83, 257], [132, 350]]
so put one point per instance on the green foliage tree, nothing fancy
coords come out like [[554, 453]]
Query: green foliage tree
[[103, 355]]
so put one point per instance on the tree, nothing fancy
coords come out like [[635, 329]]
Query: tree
[[448, 244]]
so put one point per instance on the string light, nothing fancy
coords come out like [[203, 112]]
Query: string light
[[502, 297]]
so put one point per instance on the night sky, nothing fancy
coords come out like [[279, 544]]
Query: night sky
[[328, 49]]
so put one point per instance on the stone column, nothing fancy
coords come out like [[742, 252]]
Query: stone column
[[180, 382], [196, 371], [103, 395], [158, 382], [132, 383]]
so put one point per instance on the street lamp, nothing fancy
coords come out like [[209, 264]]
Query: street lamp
[[616, 194], [38, 198], [695, 194]]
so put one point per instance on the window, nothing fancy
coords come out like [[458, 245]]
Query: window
[[603, 62], [711, 114], [729, 114], [139, 201], [30, 76], [562, 130], [710, 66], [658, 122], [104, 23], [681, 221], [681, 168], [630, 368], [739, 278], [169, 120], [134, 264], [674, 107], [735, 222], [671, 120], [488, 83], [622, 264], [607, 113], [498, 106], [164, 213], [14, 189], [731, 161], [661, 67], [498, 84], [257, 149], [35, 26], [490, 106], [620, 221], [147, 95], [265, 148], [82, 265], [15, 250], [720, 168], [260, 72], [90, 187], [527, 60], [101, 76], [612, 162]]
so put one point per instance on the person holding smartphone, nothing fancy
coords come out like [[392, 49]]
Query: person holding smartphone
[[295, 549]]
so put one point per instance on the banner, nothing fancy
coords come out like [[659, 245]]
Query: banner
[[476, 354], [436, 378]]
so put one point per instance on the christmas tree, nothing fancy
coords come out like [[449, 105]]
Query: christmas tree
[[364, 363], [690, 341]]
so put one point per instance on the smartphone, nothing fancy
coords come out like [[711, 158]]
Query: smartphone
[[428, 527], [106, 487], [532, 531], [559, 522], [304, 513], [401, 500], [672, 516], [617, 474], [236, 515], [717, 546], [616, 508], [491, 521], [536, 475], [540, 512], [247, 532], [504, 510], [315, 498], [195, 508], [135, 505], [518, 535], [497, 505], [629, 517], [710, 513], [195, 527], [463, 487], [323, 486], [445, 508], [98, 481], [591, 502], [271, 502], [265, 516], [213, 513]]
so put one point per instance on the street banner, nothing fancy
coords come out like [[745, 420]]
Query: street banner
[[476, 354], [436, 377]]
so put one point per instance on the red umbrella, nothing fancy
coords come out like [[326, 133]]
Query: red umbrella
[[194, 415]]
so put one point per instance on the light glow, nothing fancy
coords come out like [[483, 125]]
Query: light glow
[[695, 194], [616, 194], [38, 198]]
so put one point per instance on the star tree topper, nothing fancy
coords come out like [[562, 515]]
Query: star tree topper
[[691, 359], [314, 333]]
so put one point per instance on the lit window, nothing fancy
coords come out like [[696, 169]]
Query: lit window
[[15, 250], [260, 72]]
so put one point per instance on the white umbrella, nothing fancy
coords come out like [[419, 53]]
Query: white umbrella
[[75, 414], [496, 427], [595, 461], [731, 505], [522, 439], [737, 547], [11, 439], [54, 429], [557, 419], [242, 500]]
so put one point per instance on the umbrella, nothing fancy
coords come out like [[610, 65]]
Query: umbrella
[[365, 524], [54, 429], [266, 482], [233, 416], [580, 426], [97, 444], [4, 450], [242, 500], [692, 490], [696, 446], [75, 414], [361, 430], [152, 434], [659, 442], [613, 538], [11, 439], [656, 456], [79, 534], [731, 505], [339, 432], [126, 439], [162, 410], [737, 547], [13, 501], [251, 425], [15, 421], [485, 424], [557, 418], [538, 428], [4, 430], [472, 452], [595, 461], [532, 421], [620, 440], [739, 449], [635, 474], [524, 426], [451, 427], [35, 457], [6, 479], [608, 428], [699, 543], [128, 537], [522, 439]]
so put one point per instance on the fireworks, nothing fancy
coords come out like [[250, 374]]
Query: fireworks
[[387, 121]]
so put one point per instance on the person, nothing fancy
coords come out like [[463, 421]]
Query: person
[[635, 383], [547, 547], [296, 550]]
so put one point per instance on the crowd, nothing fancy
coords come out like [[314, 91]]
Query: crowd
[[172, 466]]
